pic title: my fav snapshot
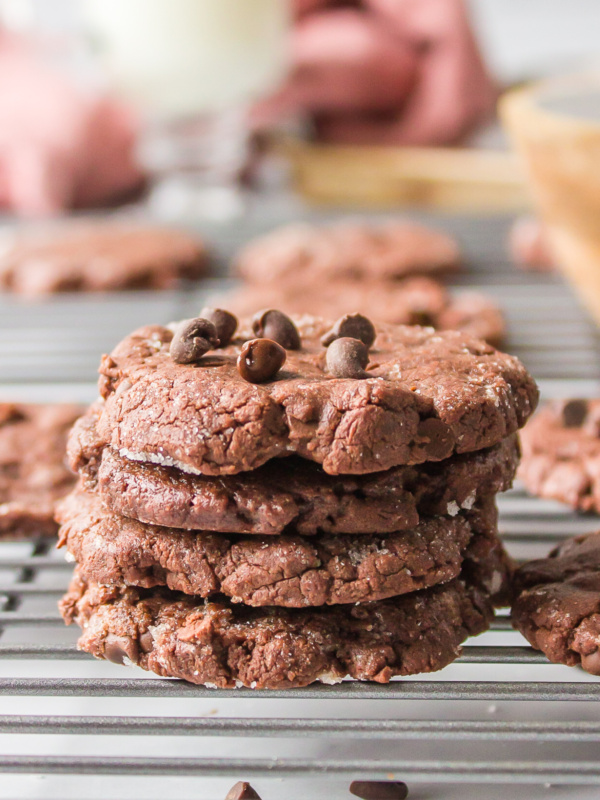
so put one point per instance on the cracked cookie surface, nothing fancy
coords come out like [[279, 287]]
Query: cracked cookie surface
[[288, 570], [426, 395], [224, 645], [288, 494]]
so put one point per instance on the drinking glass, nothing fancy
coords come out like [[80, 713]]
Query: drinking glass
[[192, 68]]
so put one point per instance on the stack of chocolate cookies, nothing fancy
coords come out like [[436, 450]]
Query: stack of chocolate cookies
[[287, 501]]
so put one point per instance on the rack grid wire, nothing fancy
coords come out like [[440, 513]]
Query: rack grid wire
[[501, 714]]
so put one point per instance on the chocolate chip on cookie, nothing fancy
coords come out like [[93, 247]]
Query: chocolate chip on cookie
[[119, 648], [192, 339], [354, 326], [260, 360], [224, 322], [273, 324], [347, 358], [574, 413]]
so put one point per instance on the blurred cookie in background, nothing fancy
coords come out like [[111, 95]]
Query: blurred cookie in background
[[414, 301], [100, 256], [529, 247], [348, 250], [561, 453], [33, 473]]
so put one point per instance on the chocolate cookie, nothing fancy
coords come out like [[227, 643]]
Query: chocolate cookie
[[557, 605], [100, 257], [422, 397], [224, 645], [529, 245], [475, 314], [561, 453], [33, 475], [288, 570], [294, 494], [414, 301], [355, 251]]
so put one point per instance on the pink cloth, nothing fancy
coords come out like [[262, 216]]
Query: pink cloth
[[59, 147], [385, 71]]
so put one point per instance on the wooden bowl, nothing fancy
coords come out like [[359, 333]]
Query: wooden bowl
[[555, 126]]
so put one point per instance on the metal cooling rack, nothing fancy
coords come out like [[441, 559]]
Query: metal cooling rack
[[74, 727]]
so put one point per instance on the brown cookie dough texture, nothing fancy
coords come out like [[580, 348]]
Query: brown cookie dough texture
[[100, 257], [413, 301], [288, 570], [561, 453], [224, 645], [427, 395], [557, 605], [33, 474], [347, 251], [294, 494]]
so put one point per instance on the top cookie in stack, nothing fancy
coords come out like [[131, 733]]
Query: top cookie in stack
[[296, 501]]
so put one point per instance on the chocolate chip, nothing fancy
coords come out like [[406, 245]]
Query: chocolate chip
[[438, 441], [118, 648], [379, 790], [192, 339], [224, 322], [275, 325], [242, 791], [421, 317], [347, 358], [354, 326], [10, 413], [146, 642], [591, 663], [260, 360], [574, 413]]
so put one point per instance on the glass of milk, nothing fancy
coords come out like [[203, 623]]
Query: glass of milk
[[192, 67]]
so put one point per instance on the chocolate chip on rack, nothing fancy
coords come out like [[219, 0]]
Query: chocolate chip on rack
[[347, 358], [354, 326], [275, 325], [242, 791], [260, 360], [224, 322], [192, 339], [379, 790]]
